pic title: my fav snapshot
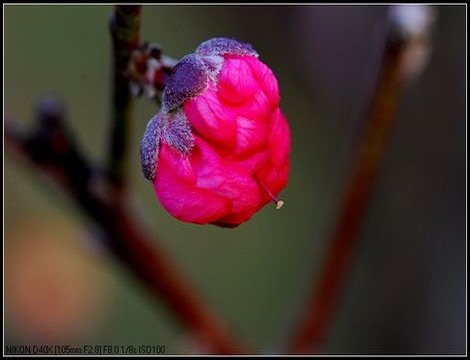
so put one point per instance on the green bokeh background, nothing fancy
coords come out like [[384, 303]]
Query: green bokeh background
[[406, 289]]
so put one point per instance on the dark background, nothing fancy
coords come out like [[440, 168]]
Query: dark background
[[406, 288]]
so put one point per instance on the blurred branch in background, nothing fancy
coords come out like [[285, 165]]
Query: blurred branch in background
[[406, 50], [55, 155], [52, 150]]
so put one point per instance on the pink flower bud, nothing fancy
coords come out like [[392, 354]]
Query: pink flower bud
[[218, 150]]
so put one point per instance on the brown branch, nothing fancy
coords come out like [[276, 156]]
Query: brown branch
[[52, 151], [395, 71], [125, 34]]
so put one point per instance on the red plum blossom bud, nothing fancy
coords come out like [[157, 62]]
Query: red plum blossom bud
[[218, 149]]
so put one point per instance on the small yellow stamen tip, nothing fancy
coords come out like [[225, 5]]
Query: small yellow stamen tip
[[279, 204]]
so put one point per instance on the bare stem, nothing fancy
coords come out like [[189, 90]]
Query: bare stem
[[125, 30], [316, 320]]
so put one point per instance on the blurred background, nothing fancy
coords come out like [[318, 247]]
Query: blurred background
[[406, 287]]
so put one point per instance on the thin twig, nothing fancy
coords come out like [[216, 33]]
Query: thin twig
[[395, 71], [125, 34], [52, 151]]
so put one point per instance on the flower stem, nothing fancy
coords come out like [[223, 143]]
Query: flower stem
[[125, 33]]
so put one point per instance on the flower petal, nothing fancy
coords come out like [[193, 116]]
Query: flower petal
[[236, 81], [279, 140], [266, 79], [212, 120], [224, 178], [179, 195]]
